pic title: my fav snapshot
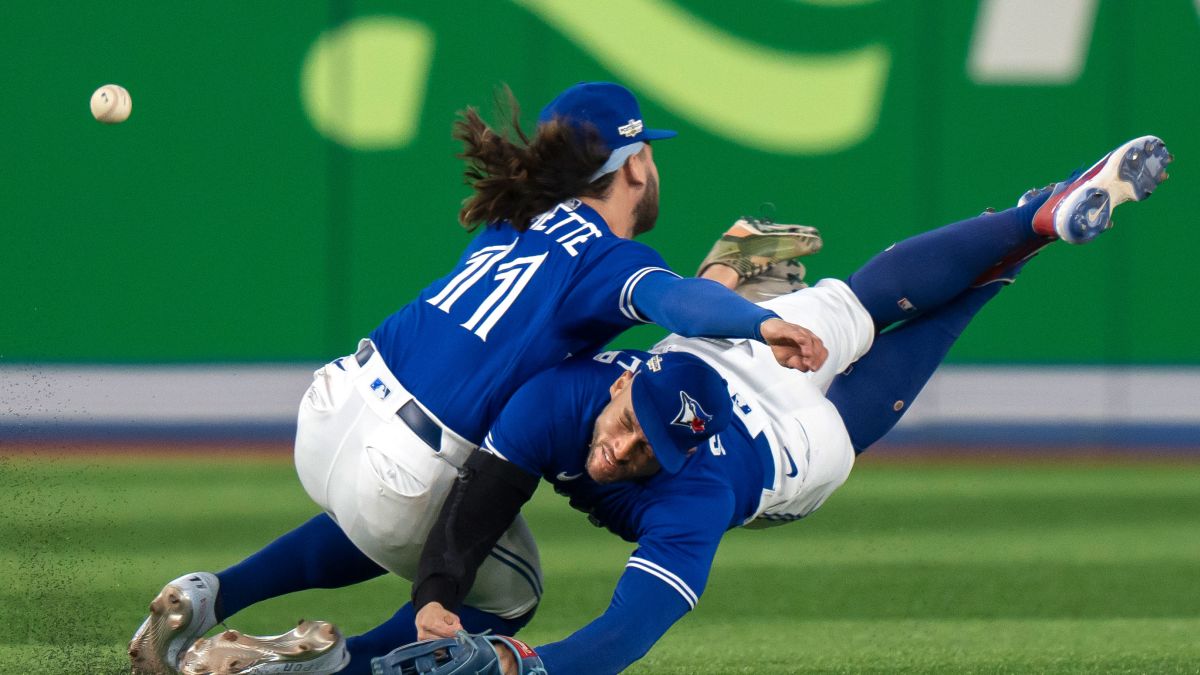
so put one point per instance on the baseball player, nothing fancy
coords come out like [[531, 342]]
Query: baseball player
[[553, 272], [671, 449]]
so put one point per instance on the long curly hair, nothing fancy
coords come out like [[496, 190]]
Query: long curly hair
[[515, 178]]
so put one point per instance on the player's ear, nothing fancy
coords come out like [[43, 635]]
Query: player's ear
[[635, 170], [619, 384]]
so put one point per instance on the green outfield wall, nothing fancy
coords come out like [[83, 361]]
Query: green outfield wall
[[287, 177]]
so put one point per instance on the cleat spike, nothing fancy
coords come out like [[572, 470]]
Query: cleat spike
[[180, 613], [313, 647], [764, 255], [1082, 208]]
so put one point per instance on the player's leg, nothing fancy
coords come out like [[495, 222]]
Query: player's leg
[[319, 555], [874, 393], [315, 555], [881, 386], [361, 464], [923, 272]]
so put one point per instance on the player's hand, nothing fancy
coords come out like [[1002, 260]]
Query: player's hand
[[508, 662], [435, 621], [794, 346]]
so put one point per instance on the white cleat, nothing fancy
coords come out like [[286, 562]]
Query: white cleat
[[313, 647], [1082, 209], [180, 614]]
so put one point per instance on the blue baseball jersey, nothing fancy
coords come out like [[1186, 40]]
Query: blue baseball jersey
[[676, 520], [515, 304]]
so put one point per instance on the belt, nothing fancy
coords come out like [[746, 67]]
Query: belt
[[421, 424], [429, 431], [364, 353]]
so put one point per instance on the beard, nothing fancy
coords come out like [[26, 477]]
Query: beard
[[645, 213]]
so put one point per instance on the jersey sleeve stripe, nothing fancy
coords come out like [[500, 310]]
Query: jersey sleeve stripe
[[666, 576], [489, 447], [626, 300], [502, 553]]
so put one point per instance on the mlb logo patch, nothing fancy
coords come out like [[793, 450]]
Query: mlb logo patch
[[381, 390]]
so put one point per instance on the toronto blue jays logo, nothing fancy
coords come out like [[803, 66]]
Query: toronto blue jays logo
[[691, 415]]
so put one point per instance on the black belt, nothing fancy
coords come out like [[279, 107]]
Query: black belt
[[410, 413], [421, 424], [364, 354]]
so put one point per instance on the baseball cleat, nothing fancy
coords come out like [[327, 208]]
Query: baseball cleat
[[182, 612], [777, 279], [1083, 208], [752, 245], [314, 647]]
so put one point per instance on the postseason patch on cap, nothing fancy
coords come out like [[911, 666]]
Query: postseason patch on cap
[[691, 415], [632, 129]]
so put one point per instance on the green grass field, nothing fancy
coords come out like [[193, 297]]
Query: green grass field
[[911, 567]]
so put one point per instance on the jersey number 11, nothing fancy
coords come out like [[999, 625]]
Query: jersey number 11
[[510, 279]]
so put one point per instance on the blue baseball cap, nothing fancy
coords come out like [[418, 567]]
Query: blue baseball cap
[[613, 111], [680, 402]]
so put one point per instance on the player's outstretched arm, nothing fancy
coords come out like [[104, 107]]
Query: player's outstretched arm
[[643, 608], [696, 307], [703, 308]]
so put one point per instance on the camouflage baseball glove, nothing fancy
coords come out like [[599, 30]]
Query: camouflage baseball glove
[[765, 256], [463, 654]]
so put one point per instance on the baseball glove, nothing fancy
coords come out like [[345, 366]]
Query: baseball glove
[[463, 654], [752, 245]]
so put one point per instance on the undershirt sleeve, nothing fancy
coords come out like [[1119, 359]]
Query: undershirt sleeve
[[485, 498], [696, 307], [663, 580]]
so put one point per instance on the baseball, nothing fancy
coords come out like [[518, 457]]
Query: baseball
[[111, 104]]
